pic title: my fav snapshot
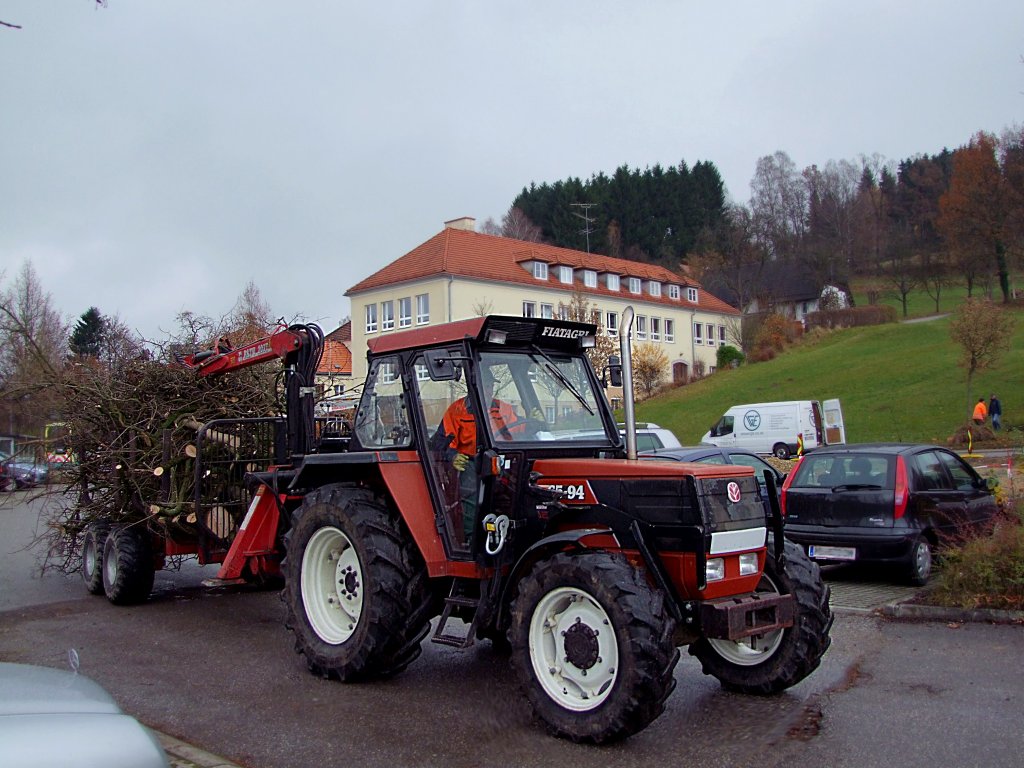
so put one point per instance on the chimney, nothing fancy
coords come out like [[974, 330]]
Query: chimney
[[467, 223]]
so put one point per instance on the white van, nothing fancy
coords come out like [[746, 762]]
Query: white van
[[778, 428]]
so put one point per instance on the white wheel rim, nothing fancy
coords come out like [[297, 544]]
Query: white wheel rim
[[753, 650], [90, 556], [110, 566], [923, 560], [573, 649], [332, 585]]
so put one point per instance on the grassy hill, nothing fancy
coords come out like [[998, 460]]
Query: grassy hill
[[897, 382]]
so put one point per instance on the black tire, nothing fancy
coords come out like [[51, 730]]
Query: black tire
[[919, 566], [349, 533], [127, 566], [93, 540], [780, 451], [777, 660], [631, 666]]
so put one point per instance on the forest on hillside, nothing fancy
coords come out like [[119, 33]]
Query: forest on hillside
[[928, 222]]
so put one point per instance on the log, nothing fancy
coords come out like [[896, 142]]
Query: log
[[219, 521], [190, 451]]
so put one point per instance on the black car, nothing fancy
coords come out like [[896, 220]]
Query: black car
[[883, 503], [710, 454]]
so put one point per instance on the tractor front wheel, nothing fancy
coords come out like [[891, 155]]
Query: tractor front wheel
[[354, 586], [592, 646], [771, 662]]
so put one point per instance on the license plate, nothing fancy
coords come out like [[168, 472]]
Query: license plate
[[831, 553]]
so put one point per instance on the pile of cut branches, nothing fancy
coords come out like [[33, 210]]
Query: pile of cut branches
[[133, 429]]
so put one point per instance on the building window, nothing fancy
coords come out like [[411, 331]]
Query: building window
[[565, 275], [654, 288], [540, 270], [387, 315], [698, 333], [655, 329], [590, 278], [611, 323], [634, 285], [670, 330], [388, 374], [547, 311], [422, 309], [422, 374], [691, 295], [611, 282], [404, 312], [711, 335], [673, 292], [371, 318], [549, 414], [563, 312], [641, 327], [721, 334], [529, 309]]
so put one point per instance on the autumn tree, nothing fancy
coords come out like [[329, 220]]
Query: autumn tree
[[978, 211], [649, 365], [983, 331], [578, 308]]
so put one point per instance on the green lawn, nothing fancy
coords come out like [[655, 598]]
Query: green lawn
[[897, 382]]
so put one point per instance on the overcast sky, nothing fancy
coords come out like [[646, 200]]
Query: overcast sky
[[156, 156]]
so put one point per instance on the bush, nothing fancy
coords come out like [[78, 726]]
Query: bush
[[984, 571], [729, 356], [851, 317]]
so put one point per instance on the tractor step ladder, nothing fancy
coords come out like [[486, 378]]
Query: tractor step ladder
[[457, 603]]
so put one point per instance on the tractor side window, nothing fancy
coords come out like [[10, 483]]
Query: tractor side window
[[382, 420]]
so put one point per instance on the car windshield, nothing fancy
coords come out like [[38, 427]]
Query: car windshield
[[551, 393], [838, 471]]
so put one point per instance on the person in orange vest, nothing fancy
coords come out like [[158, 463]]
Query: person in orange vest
[[459, 427], [980, 411]]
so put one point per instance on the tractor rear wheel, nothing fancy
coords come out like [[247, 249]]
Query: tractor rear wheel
[[127, 566], [769, 663], [355, 586], [592, 646], [93, 539]]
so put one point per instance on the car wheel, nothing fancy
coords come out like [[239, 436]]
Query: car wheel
[[780, 451], [919, 568]]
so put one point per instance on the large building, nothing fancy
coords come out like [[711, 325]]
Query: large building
[[460, 273]]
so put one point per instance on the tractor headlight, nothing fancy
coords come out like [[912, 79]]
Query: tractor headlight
[[715, 569], [748, 564]]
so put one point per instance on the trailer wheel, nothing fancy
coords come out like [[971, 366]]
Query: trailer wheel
[[355, 586], [769, 663], [93, 541], [127, 566], [592, 646]]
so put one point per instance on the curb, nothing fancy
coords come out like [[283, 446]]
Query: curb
[[914, 612], [182, 755]]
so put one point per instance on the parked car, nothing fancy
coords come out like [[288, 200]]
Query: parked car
[[710, 454], [650, 437], [24, 473], [49, 717], [883, 503]]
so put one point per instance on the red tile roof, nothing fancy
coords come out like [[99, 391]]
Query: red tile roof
[[341, 333], [463, 253], [336, 359]]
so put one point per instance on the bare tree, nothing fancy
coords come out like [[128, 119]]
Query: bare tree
[[778, 202], [516, 225], [983, 330], [579, 309]]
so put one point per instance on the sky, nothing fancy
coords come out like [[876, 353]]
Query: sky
[[155, 157]]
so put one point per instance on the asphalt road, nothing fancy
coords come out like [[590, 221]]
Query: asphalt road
[[215, 669]]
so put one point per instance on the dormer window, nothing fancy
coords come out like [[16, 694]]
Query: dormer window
[[565, 275], [540, 270], [654, 288], [673, 292], [691, 295], [634, 285], [611, 282], [590, 278]]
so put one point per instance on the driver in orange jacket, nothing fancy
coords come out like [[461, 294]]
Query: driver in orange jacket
[[459, 426]]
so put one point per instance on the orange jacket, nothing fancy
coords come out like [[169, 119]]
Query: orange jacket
[[980, 411], [459, 423]]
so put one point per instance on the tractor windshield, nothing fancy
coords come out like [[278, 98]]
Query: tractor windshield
[[542, 396]]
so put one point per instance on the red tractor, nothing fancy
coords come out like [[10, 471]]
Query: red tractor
[[484, 483]]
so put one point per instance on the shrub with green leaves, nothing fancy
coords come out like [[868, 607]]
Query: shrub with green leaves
[[728, 356]]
